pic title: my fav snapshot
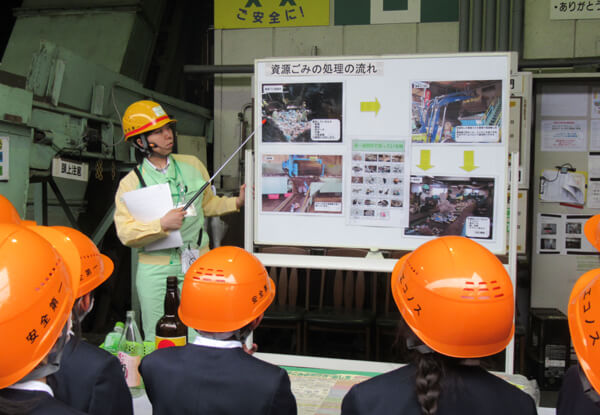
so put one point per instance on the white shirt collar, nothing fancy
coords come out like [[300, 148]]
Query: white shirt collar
[[163, 171], [219, 344], [33, 385]]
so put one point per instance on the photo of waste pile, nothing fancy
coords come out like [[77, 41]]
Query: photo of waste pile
[[456, 111], [302, 113], [293, 183], [451, 206]]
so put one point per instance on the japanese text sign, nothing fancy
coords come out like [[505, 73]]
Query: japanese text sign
[[573, 10], [241, 14]]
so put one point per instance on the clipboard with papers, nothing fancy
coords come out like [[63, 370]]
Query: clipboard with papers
[[563, 186], [151, 203]]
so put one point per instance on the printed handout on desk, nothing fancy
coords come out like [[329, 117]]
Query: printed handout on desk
[[151, 203]]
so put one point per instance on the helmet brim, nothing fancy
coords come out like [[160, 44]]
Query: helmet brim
[[590, 229]]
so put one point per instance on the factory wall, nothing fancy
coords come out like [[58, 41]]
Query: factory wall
[[542, 38]]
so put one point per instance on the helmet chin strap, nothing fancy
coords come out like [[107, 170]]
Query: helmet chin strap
[[144, 148], [413, 343], [52, 364]]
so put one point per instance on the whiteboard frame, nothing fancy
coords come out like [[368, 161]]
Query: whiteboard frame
[[284, 229]]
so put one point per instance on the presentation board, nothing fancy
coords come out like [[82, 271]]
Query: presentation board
[[381, 152]]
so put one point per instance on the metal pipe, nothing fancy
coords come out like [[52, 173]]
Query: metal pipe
[[463, 25], [44, 204], [517, 26], [104, 224], [212, 69], [88, 154], [490, 25], [559, 63], [62, 201], [476, 26], [64, 11], [164, 99], [70, 111], [503, 25]]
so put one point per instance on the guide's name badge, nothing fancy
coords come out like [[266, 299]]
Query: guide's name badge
[[191, 211], [188, 257]]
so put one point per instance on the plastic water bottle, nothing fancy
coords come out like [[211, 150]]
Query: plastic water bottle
[[112, 339], [131, 351]]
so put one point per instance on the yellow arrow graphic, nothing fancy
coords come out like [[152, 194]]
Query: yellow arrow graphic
[[469, 161], [425, 163], [370, 106]]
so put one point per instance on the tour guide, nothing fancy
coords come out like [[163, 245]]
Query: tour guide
[[151, 131]]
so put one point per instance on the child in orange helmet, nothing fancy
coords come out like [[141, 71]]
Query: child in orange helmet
[[90, 379], [579, 393], [36, 297], [100, 388], [224, 295], [457, 303]]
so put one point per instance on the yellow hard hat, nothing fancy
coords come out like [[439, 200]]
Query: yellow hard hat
[[144, 116]]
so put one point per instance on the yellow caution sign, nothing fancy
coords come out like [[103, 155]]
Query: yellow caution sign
[[260, 14]]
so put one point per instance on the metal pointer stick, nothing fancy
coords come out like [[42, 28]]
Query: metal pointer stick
[[199, 192]]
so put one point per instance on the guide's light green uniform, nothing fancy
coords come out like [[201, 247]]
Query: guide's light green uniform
[[185, 175]]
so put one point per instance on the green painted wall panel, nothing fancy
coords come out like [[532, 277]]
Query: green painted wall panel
[[439, 11], [352, 12], [390, 5], [100, 38], [15, 189]]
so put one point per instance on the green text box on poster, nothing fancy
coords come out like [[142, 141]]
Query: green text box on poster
[[387, 146]]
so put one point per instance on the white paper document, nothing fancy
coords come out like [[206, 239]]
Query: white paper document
[[593, 194], [564, 101], [564, 135], [151, 203], [562, 187], [594, 135]]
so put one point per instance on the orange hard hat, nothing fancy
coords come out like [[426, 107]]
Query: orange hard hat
[[142, 117], [584, 324], [591, 229], [456, 296], [224, 290], [95, 267], [8, 213], [67, 249], [35, 300]]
